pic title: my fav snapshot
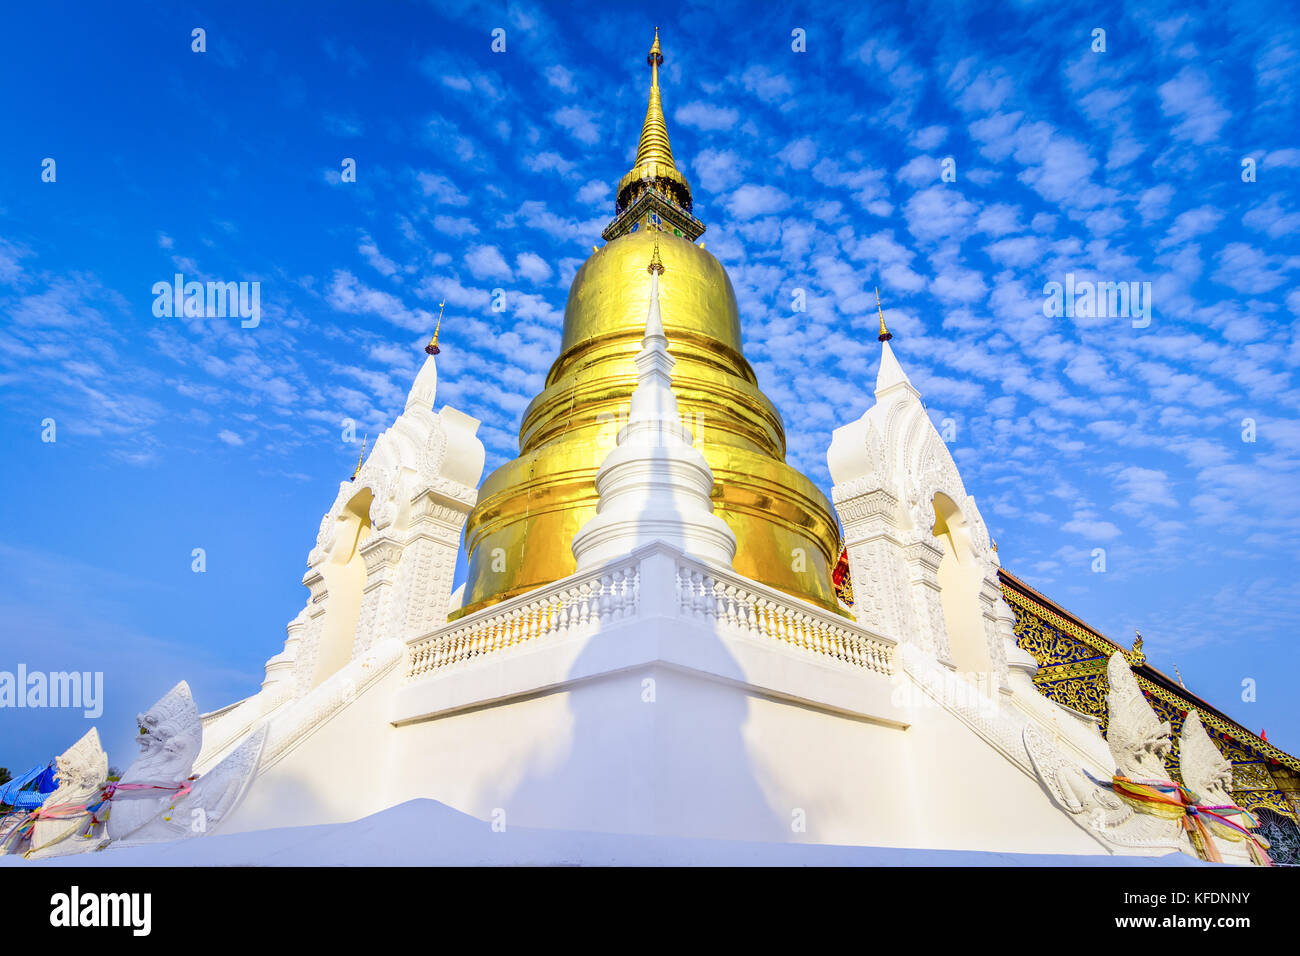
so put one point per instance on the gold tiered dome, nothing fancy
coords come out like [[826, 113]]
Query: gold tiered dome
[[528, 510]]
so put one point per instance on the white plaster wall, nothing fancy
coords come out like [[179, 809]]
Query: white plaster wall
[[333, 774], [707, 758]]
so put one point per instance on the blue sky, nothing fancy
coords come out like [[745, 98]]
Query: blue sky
[[476, 170]]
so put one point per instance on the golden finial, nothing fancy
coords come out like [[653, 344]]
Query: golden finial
[[653, 147], [654, 193], [432, 347], [885, 335], [995, 547], [1180, 677], [360, 458], [656, 264], [1139, 656]]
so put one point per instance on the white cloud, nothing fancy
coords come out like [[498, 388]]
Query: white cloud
[[751, 200], [799, 153], [455, 226], [595, 191], [560, 78], [580, 123], [1189, 99], [378, 261], [718, 170], [547, 162], [486, 262], [532, 267], [920, 171], [441, 189], [1246, 269], [706, 116]]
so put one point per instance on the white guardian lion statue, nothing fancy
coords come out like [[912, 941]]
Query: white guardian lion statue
[[1208, 774], [61, 823], [158, 799], [1139, 811], [170, 738]]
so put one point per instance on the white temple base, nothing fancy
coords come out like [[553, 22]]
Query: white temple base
[[427, 833]]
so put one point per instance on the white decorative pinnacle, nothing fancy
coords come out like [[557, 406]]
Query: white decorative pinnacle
[[654, 414], [424, 390], [655, 486], [891, 374]]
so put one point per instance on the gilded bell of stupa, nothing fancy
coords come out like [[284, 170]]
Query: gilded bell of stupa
[[519, 534]]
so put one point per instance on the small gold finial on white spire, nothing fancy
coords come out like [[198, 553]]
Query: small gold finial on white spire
[[885, 335], [432, 347], [656, 264], [360, 458]]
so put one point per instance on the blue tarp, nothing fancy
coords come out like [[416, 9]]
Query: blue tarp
[[48, 781], [28, 791]]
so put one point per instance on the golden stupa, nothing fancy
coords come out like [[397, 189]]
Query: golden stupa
[[528, 510]]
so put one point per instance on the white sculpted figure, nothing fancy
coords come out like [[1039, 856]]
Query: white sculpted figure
[[1138, 744], [60, 825], [1138, 741], [157, 800], [1208, 774], [207, 802], [170, 738]]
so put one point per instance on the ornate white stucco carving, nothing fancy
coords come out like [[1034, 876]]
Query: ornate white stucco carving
[[1138, 743], [888, 466], [421, 478], [411, 496]]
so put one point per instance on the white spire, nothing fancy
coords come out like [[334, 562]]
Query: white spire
[[424, 391], [891, 374], [655, 486]]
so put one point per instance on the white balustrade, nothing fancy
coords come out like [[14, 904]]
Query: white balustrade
[[579, 605], [583, 603], [756, 611]]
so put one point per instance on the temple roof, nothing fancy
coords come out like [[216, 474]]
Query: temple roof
[[1150, 678]]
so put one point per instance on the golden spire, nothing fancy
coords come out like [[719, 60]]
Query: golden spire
[[885, 335], [654, 193], [360, 458], [432, 347], [656, 264], [654, 147]]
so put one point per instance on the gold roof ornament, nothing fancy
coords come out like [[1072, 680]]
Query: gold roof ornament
[[360, 458], [1139, 655], [654, 146], [656, 264], [432, 347], [654, 192], [885, 335]]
